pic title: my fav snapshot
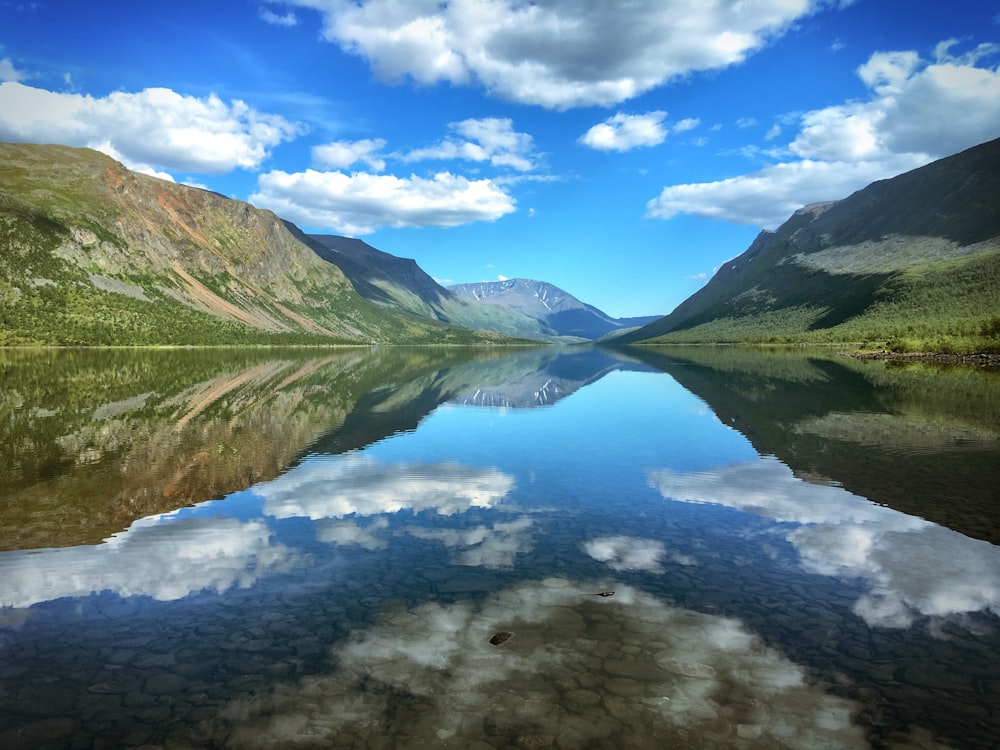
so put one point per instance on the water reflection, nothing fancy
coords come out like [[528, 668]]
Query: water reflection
[[418, 503], [162, 558], [92, 441], [577, 671], [495, 545], [923, 439], [631, 553], [912, 567], [361, 486]]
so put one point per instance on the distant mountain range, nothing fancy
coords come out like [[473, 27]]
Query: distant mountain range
[[560, 311], [909, 262], [399, 282], [92, 253]]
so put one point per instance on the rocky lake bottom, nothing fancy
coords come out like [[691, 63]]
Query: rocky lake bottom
[[601, 558]]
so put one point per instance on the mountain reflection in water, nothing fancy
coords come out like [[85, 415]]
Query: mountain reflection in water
[[315, 551]]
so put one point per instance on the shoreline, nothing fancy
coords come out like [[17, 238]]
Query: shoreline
[[979, 360]]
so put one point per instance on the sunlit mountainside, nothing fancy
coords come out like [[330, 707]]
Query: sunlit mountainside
[[911, 263], [93, 253]]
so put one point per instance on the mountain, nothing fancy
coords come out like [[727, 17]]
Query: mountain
[[911, 262], [557, 309], [93, 253], [399, 282]]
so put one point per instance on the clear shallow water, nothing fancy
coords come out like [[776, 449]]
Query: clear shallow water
[[362, 524]]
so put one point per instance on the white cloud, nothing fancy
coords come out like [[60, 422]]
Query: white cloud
[[277, 19], [916, 112], [154, 127], [746, 122], [342, 154], [360, 203], [623, 132], [9, 73], [559, 54], [768, 197], [360, 486], [161, 557], [688, 123], [912, 567], [490, 139]]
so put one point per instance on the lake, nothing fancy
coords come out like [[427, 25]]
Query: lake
[[492, 548]]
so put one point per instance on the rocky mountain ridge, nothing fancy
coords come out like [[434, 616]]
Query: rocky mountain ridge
[[399, 282], [560, 311]]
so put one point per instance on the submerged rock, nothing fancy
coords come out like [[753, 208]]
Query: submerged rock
[[500, 638]]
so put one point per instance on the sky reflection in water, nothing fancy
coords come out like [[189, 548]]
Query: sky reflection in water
[[490, 519]]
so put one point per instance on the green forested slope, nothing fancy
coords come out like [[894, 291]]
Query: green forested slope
[[910, 263]]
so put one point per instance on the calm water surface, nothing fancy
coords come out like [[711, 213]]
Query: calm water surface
[[697, 549]]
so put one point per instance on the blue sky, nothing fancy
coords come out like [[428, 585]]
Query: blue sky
[[621, 151]]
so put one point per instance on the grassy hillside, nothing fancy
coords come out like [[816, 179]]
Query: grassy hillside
[[909, 264], [93, 254]]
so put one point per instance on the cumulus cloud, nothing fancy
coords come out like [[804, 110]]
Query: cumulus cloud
[[623, 132], [10, 73], [665, 672], [917, 111], [559, 54], [768, 197], [343, 154], [360, 203], [361, 486], [163, 558], [912, 567], [156, 127], [490, 139]]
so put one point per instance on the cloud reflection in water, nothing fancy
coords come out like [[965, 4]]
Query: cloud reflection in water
[[913, 567], [161, 557], [341, 486], [579, 670], [495, 546], [632, 553]]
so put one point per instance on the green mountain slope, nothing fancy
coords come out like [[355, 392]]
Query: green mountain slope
[[94, 254], [911, 263]]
